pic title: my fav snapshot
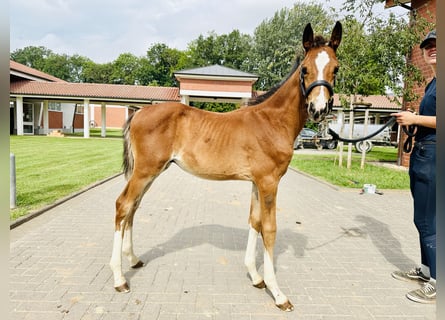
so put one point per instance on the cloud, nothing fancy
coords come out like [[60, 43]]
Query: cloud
[[101, 30]]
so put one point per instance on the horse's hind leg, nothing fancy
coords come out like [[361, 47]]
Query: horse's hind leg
[[126, 205], [254, 229]]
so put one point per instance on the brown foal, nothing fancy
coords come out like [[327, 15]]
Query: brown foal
[[253, 143]]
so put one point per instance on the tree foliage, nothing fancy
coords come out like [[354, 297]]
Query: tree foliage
[[277, 41], [375, 52], [231, 50]]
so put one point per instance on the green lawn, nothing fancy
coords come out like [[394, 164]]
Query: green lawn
[[95, 132], [49, 168], [326, 168]]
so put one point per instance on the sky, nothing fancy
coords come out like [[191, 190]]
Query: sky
[[103, 29]]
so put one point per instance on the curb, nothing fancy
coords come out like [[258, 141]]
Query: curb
[[38, 212], [319, 180]]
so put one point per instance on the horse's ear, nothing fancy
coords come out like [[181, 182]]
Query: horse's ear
[[308, 37], [336, 36]]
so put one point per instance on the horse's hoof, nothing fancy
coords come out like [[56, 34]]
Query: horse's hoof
[[123, 288], [287, 306], [138, 265], [260, 285]]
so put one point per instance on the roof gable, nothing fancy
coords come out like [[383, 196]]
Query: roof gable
[[216, 71], [107, 92], [24, 72]]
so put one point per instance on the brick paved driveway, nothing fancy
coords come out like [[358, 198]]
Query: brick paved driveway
[[334, 255]]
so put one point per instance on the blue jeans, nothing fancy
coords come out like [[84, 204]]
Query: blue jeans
[[422, 173]]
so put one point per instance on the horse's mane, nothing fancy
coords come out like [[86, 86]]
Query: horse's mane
[[269, 93], [319, 41]]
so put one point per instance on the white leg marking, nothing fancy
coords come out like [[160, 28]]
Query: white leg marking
[[116, 260], [250, 258], [127, 247], [271, 281]]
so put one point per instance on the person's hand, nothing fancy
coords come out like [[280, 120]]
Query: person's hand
[[405, 118]]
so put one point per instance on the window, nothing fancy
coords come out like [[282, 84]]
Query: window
[[79, 108], [54, 106]]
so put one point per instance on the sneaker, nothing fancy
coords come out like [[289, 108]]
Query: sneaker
[[426, 294], [412, 275]]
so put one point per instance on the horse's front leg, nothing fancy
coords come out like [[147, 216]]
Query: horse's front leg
[[268, 233]]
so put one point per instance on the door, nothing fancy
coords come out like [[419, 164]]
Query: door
[[11, 118], [28, 118]]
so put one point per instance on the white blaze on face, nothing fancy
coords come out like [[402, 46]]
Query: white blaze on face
[[321, 62]]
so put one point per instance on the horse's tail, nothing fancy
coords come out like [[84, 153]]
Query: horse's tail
[[128, 160]]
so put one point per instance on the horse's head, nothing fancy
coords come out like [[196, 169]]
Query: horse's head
[[318, 70]]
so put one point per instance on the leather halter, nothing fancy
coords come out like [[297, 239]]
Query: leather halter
[[317, 83]]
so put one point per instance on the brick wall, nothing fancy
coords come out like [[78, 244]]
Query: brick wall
[[115, 117]]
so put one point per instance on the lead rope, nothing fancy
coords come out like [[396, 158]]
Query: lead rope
[[410, 131], [335, 135]]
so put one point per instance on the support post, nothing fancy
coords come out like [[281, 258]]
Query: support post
[[19, 115], [45, 117], [86, 118], [185, 100], [12, 182], [103, 120], [351, 129], [365, 106]]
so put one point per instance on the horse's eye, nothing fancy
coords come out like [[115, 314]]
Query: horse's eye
[[335, 70], [304, 70]]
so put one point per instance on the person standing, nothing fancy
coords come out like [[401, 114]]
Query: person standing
[[422, 173]]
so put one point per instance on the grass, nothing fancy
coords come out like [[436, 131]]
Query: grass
[[95, 132], [326, 168], [50, 168]]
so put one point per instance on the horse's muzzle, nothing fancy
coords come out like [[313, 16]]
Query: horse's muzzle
[[318, 115]]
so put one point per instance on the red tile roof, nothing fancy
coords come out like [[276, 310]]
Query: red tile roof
[[95, 91], [22, 69], [377, 102]]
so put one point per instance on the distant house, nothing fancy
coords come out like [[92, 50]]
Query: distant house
[[40, 103]]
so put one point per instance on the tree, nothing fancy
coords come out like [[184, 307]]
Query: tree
[[231, 50], [97, 73], [277, 41], [374, 52], [58, 66], [215, 106], [125, 69], [160, 63], [359, 72], [77, 65], [65, 67], [32, 56]]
